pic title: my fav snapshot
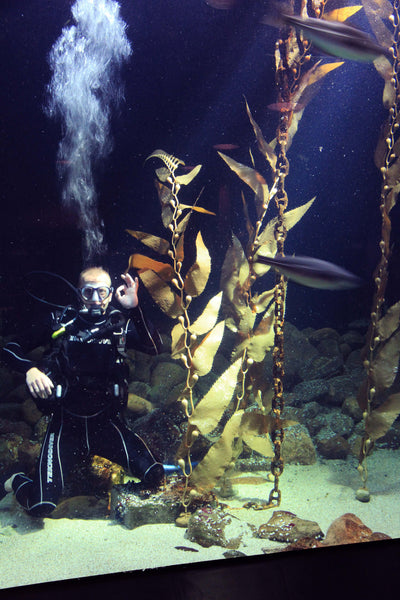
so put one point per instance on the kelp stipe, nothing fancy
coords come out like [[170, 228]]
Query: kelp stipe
[[382, 349]]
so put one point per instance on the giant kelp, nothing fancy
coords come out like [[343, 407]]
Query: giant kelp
[[242, 406]]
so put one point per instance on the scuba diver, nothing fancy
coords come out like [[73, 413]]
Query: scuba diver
[[81, 383]]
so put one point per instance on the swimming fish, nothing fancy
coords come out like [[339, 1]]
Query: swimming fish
[[335, 38], [225, 146], [312, 272]]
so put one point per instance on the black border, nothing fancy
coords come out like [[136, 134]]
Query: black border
[[359, 571]]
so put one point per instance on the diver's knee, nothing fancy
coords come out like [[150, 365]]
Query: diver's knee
[[42, 510]]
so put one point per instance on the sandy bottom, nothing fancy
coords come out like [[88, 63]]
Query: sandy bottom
[[37, 551]]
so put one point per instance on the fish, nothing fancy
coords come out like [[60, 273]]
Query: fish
[[312, 272], [222, 4], [335, 38], [225, 146]]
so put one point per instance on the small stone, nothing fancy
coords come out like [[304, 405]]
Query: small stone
[[183, 519], [363, 495]]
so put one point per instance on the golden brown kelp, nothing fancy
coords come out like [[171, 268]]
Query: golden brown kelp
[[382, 350], [173, 285]]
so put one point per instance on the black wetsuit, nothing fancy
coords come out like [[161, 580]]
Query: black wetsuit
[[85, 362]]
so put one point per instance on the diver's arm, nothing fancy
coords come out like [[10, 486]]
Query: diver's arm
[[141, 333], [15, 354]]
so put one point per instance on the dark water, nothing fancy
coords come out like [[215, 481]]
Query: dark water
[[185, 84]]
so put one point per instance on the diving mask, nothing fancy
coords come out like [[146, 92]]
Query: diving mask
[[91, 293]]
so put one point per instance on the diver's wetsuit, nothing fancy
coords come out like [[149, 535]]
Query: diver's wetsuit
[[86, 365]]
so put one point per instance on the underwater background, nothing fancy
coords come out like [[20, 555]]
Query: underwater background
[[184, 88], [185, 81]]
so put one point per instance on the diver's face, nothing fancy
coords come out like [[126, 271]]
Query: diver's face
[[95, 289]]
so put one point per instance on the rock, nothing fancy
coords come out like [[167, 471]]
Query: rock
[[311, 410], [140, 388], [304, 544], [338, 389], [330, 347], [310, 391], [340, 423], [10, 410], [41, 428], [134, 509], [322, 367], [81, 507], [214, 527], [18, 394], [233, 554], [17, 427], [297, 446], [7, 382], [9, 444], [333, 447], [391, 439], [298, 351], [28, 453], [351, 408], [138, 406], [141, 367], [359, 325], [355, 339], [325, 333], [349, 529], [30, 411], [285, 526], [363, 495], [345, 350], [354, 361], [183, 519], [167, 375], [162, 430]]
